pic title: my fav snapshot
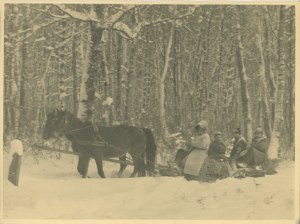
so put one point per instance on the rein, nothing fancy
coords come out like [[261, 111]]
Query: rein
[[102, 142]]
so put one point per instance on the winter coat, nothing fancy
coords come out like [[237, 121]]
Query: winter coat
[[256, 153], [217, 149], [239, 145], [215, 166], [195, 158], [201, 141]]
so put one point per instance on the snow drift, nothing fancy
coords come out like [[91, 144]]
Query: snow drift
[[52, 188]]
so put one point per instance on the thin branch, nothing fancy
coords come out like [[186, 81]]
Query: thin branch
[[36, 28], [48, 13], [138, 28], [117, 16], [77, 15]]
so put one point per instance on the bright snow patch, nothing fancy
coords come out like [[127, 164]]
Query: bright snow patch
[[52, 189], [16, 146]]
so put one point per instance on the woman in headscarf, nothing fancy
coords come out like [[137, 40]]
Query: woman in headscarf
[[199, 147]]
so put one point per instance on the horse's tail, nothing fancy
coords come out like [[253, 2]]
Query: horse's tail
[[150, 150]]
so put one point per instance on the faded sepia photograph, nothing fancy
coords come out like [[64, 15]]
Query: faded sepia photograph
[[149, 111]]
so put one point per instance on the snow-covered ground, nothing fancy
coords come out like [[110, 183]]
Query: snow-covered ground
[[52, 188]]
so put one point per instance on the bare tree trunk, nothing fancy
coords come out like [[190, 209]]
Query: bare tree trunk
[[262, 79], [268, 67], [290, 103], [124, 79], [243, 79], [7, 73], [75, 44], [16, 73], [278, 120], [176, 77], [91, 68], [84, 76], [131, 84], [25, 57], [162, 111], [62, 70], [119, 79]]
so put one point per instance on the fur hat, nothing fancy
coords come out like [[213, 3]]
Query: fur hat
[[202, 125]]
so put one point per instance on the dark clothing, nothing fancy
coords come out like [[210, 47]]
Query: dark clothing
[[257, 152], [215, 166], [213, 169], [180, 157], [217, 150], [238, 146], [260, 144]]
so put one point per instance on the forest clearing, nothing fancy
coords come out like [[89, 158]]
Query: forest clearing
[[174, 92]]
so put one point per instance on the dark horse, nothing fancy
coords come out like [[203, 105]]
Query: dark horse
[[98, 142]]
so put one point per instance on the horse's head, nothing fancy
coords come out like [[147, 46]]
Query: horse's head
[[58, 122]]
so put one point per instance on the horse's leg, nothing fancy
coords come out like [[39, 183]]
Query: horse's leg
[[138, 166], [123, 165], [80, 165], [76, 148], [142, 171], [135, 166], [142, 167], [98, 159], [84, 161]]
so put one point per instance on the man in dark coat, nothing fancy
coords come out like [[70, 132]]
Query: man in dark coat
[[256, 153], [239, 145], [217, 148], [216, 165]]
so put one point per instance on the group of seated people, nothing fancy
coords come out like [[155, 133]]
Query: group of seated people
[[204, 159]]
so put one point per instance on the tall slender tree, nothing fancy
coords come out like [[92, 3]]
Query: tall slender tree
[[243, 77], [274, 146]]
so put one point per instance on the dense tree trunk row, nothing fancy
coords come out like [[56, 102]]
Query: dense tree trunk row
[[157, 66]]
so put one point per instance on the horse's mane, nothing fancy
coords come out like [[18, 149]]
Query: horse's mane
[[75, 118], [78, 121]]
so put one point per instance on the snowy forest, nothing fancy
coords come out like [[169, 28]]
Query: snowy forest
[[160, 67], [164, 67]]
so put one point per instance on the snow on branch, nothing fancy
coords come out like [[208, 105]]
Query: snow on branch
[[36, 28], [123, 28], [78, 15], [138, 28], [48, 13], [113, 21], [117, 16]]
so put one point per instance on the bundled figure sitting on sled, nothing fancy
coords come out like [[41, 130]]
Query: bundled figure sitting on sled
[[252, 156], [204, 160]]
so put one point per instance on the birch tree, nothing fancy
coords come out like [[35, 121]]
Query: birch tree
[[162, 111], [262, 77], [243, 78], [274, 146]]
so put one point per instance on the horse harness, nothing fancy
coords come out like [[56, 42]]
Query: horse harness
[[101, 143]]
